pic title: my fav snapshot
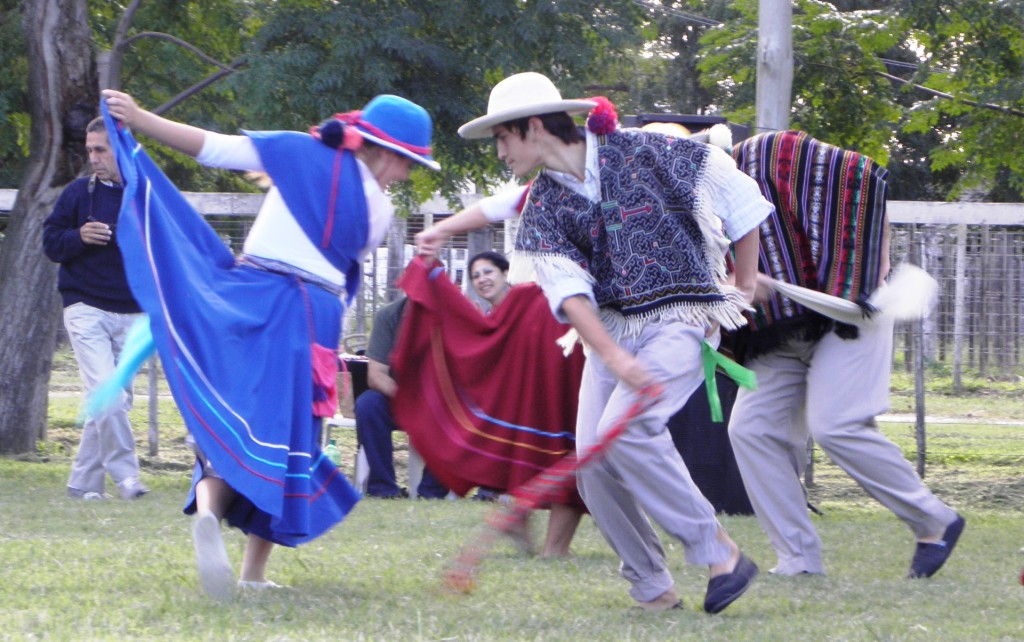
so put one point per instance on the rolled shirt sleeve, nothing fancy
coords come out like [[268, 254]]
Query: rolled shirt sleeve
[[738, 202], [561, 279], [504, 205]]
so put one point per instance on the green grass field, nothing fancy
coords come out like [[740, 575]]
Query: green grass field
[[116, 570], [120, 570]]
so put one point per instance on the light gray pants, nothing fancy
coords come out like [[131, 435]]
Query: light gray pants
[[107, 445], [834, 387], [643, 473]]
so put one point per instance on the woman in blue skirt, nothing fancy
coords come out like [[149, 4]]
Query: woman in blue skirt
[[249, 343]]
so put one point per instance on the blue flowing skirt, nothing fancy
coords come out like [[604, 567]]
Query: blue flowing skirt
[[235, 345]]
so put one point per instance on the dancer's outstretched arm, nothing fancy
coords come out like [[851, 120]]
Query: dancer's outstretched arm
[[184, 138], [430, 241]]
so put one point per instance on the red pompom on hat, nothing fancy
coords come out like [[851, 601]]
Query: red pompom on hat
[[603, 119]]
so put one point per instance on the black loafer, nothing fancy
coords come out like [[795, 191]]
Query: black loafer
[[929, 558], [725, 589]]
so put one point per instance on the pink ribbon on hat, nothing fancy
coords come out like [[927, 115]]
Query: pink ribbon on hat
[[356, 118], [351, 139]]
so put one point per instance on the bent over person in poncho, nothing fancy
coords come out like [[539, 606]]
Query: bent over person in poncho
[[250, 344], [817, 376], [623, 229]]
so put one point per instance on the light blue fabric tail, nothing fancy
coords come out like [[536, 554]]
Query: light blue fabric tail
[[138, 347]]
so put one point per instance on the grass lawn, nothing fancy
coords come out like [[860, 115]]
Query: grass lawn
[[118, 570]]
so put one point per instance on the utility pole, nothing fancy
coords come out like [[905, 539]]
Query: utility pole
[[774, 65]]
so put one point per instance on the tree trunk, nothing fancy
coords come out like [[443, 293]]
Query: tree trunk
[[63, 98], [774, 65]]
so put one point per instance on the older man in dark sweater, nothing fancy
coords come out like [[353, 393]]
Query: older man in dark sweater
[[98, 311]]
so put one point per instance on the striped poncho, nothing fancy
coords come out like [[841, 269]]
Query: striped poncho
[[826, 233]]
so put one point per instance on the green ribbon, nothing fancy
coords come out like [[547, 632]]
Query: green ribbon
[[714, 359]]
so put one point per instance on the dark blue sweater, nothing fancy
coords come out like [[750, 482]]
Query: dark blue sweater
[[90, 274]]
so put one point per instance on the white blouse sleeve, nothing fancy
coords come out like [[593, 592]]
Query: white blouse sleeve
[[229, 152]]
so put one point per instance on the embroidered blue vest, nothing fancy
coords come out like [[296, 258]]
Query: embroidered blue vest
[[641, 242]]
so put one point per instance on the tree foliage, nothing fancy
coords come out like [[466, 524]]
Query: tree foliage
[[157, 66], [313, 59], [973, 52], [837, 95], [934, 89], [14, 118]]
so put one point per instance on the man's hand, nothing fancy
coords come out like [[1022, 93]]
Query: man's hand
[[764, 288], [429, 242], [629, 370], [95, 233]]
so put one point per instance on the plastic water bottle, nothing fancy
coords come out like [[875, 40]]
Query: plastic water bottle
[[332, 452]]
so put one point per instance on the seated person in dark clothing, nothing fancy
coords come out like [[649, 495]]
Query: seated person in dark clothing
[[374, 421]]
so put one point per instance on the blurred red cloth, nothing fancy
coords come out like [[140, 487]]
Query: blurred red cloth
[[487, 400]]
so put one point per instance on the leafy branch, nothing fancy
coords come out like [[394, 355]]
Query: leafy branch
[[939, 94], [122, 41]]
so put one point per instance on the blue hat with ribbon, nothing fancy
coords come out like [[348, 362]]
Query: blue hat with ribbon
[[389, 121]]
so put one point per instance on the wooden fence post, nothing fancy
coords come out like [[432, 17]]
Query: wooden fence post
[[959, 295], [918, 341]]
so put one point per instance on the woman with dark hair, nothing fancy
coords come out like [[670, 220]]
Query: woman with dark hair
[[250, 343], [488, 273]]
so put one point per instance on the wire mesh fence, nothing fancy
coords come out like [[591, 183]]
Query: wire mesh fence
[[976, 324], [974, 330]]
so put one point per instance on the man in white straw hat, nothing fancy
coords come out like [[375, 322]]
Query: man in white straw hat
[[824, 375], [623, 229]]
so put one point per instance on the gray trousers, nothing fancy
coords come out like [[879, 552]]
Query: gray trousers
[[832, 390], [107, 445], [643, 473]]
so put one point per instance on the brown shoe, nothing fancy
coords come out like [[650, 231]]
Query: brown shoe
[[664, 602]]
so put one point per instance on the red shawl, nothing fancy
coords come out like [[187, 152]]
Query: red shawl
[[486, 400]]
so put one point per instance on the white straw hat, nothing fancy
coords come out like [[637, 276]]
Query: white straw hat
[[519, 96]]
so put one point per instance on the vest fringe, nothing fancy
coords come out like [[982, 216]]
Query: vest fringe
[[714, 179], [521, 269], [524, 267], [726, 313]]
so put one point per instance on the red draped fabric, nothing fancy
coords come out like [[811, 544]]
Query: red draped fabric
[[487, 400]]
